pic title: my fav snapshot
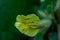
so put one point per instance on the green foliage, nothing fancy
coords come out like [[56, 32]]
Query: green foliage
[[9, 9]]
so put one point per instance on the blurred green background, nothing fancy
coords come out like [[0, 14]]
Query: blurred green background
[[9, 9]]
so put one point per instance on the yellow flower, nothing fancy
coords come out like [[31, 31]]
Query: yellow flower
[[24, 24]]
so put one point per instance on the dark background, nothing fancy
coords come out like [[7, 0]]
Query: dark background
[[9, 9]]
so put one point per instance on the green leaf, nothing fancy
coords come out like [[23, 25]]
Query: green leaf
[[42, 14]]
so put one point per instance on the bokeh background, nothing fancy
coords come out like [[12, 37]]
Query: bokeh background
[[9, 9]]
